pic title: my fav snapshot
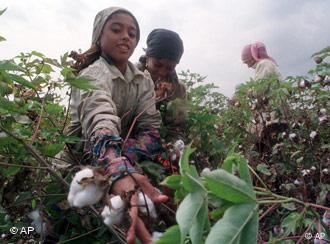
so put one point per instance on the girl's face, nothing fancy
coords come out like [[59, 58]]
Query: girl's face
[[119, 37], [160, 69], [250, 63]]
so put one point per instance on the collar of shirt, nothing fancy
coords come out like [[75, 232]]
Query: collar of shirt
[[132, 74]]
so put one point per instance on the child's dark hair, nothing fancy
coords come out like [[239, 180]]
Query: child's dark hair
[[83, 60]]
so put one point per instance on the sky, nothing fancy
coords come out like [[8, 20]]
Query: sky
[[213, 31]]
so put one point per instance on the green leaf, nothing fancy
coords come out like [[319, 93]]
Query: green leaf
[[188, 210], [233, 227], [171, 236], [53, 108], [289, 206], [23, 196], [241, 164], [229, 187], [45, 68], [197, 229], [8, 105], [52, 149], [35, 53], [33, 203], [2, 11], [2, 39], [250, 231], [82, 83], [264, 169], [10, 171], [184, 160], [291, 222], [173, 182], [9, 65], [22, 81]]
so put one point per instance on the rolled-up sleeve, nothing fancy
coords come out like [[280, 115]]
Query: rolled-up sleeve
[[96, 110]]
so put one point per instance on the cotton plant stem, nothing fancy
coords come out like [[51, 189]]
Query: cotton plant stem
[[275, 201], [67, 112], [270, 209], [258, 177], [24, 166], [36, 155], [35, 134], [283, 199]]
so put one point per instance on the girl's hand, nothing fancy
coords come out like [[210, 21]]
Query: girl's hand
[[128, 184]]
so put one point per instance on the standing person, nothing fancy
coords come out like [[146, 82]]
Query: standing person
[[163, 53], [103, 117], [255, 56]]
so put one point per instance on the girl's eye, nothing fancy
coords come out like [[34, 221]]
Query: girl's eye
[[132, 34], [115, 29]]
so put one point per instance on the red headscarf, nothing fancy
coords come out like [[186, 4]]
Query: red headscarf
[[256, 51]]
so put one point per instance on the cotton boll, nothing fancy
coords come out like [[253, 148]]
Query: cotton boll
[[83, 190], [326, 218], [323, 111], [305, 172], [150, 204], [34, 215], [205, 172], [297, 182], [117, 203], [292, 136], [313, 134], [114, 214], [156, 236], [173, 157], [37, 222], [179, 146], [90, 195]]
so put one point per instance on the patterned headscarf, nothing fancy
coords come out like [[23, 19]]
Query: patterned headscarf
[[102, 17], [256, 51], [162, 43]]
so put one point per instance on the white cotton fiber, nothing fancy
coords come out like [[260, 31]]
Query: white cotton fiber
[[151, 206], [114, 214], [81, 195]]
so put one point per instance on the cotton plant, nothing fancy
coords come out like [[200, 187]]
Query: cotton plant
[[87, 188]]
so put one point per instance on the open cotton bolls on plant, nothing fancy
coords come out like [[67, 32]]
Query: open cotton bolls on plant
[[83, 189]]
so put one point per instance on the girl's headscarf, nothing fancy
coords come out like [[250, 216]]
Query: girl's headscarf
[[256, 51], [162, 43]]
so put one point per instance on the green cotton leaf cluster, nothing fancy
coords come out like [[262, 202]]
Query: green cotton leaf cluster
[[81, 82], [238, 225], [236, 209], [229, 187]]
